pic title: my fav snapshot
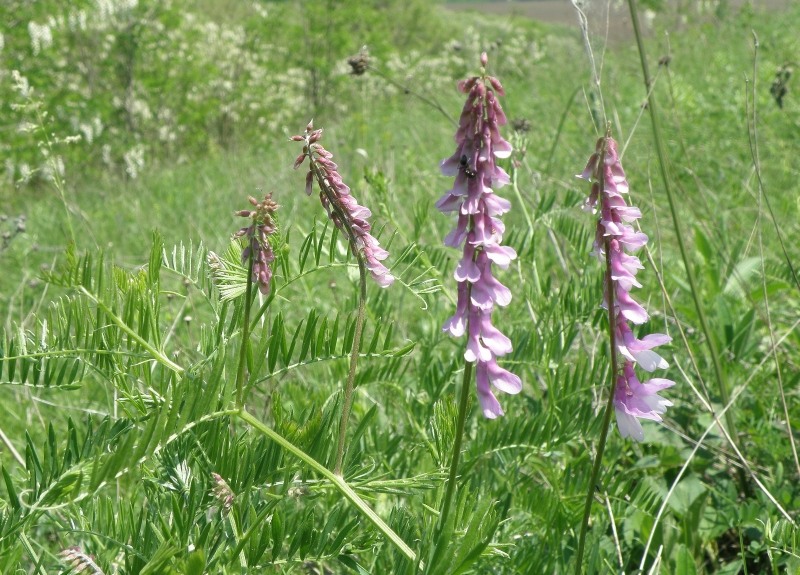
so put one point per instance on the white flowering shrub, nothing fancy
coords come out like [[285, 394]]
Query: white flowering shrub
[[137, 80]]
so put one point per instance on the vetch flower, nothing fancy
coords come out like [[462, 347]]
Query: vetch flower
[[479, 233], [343, 209], [634, 400], [615, 241], [257, 234]]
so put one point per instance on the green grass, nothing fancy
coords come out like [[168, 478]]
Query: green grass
[[525, 476]]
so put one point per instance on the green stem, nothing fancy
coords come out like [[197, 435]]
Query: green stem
[[245, 330], [518, 193], [58, 183], [346, 225], [351, 375], [463, 404], [157, 355], [37, 561], [612, 340], [662, 164], [339, 483]]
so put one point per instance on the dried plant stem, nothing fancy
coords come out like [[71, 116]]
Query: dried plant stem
[[762, 196], [612, 340], [687, 264], [245, 332]]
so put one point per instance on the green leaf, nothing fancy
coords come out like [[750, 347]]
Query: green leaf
[[196, 564], [13, 498], [684, 562], [349, 562]]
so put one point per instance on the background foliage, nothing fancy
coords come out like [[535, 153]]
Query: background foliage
[[119, 345]]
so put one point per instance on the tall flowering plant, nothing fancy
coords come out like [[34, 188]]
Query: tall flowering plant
[[350, 217], [479, 234], [258, 256], [615, 242]]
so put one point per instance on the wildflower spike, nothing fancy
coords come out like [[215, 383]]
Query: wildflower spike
[[257, 234], [633, 400], [479, 233], [343, 209]]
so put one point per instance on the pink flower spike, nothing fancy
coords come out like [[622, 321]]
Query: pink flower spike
[[479, 233], [615, 240], [342, 208], [258, 247]]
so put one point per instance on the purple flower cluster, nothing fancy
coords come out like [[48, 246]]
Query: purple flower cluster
[[342, 207], [633, 400], [478, 229], [257, 233]]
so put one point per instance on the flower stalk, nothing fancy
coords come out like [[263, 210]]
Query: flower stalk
[[615, 242], [351, 218], [478, 233], [258, 256]]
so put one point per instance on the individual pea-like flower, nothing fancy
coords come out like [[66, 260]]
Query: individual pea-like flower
[[343, 209], [634, 400], [257, 234], [479, 233], [615, 241]]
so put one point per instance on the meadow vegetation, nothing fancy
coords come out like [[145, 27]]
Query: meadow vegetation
[[133, 130]]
